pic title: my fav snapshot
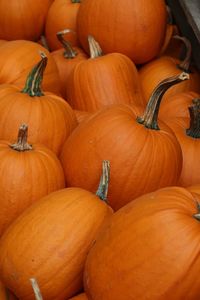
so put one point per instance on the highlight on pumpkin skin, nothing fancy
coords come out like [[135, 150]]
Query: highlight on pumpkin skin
[[36, 289], [22, 144], [69, 51], [150, 116]]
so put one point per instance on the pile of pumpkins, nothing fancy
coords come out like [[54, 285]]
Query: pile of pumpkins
[[99, 147]]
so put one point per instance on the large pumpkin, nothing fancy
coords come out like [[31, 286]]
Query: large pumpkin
[[18, 57], [150, 250], [131, 27], [50, 118], [28, 172], [50, 242], [22, 19], [134, 145], [103, 80]]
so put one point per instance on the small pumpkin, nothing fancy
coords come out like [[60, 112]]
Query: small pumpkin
[[28, 172], [103, 80], [165, 66], [134, 145], [60, 230], [150, 250], [62, 14], [50, 118]]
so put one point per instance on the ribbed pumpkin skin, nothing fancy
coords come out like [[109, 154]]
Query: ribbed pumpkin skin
[[22, 19], [17, 58], [80, 297], [25, 178], [117, 26], [66, 65], [177, 106], [50, 119], [142, 160], [102, 81], [7, 295], [62, 14], [190, 174], [50, 242], [159, 69], [157, 240]]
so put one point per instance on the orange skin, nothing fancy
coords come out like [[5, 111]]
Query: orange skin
[[22, 19], [50, 242], [50, 118], [17, 59], [62, 14], [125, 27], [66, 65], [81, 115], [26, 177], [136, 154], [150, 250], [102, 81], [80, 297], [161, 68], [195, 190], [5, 294]]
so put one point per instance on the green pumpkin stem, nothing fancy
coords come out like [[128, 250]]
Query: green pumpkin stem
[[95, 49], [104, 181], [36, 289], [22, 144], [184, 65], [194, 110], [69, 52], [150, 116], [35, 77]]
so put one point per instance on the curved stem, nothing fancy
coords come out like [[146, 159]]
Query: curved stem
[[22, 144], [35, 77], [194, 129], [185, 64], [36, 289], [69, 51], [104, 181], [95, 49], [150, 116]]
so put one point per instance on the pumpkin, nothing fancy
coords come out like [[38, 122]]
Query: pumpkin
[[5, 294], [81, 115], [59, 229], [62, 14], [18, 57], [28, 172], [155, 71], [134, 145], [187, 131], [50, 118], [117, 26], [66, 60], [22, 19], [195, 191], [103, 80], [82, 296], [156, 237]]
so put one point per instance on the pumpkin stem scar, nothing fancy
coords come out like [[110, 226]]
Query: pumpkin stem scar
[[104, 181]]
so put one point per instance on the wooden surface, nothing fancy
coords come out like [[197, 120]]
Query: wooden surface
[[186, 14]]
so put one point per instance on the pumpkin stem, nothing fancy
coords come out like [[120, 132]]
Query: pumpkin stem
[[36, 289], [185, 64], [69, 52], [95, 49], [34, 79], [76, 1], [150, 116], [104, 181], [22, 144], [194, 110], [44, 42]]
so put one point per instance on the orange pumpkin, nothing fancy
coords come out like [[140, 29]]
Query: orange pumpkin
[[50, 242], [18, 57], [5, 294], [131, 27], [22, 19], [50, 118], [134, 145], [165, 66], [103, 80], [62, 14], [66, 59], [82, 296], [150, 250]]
